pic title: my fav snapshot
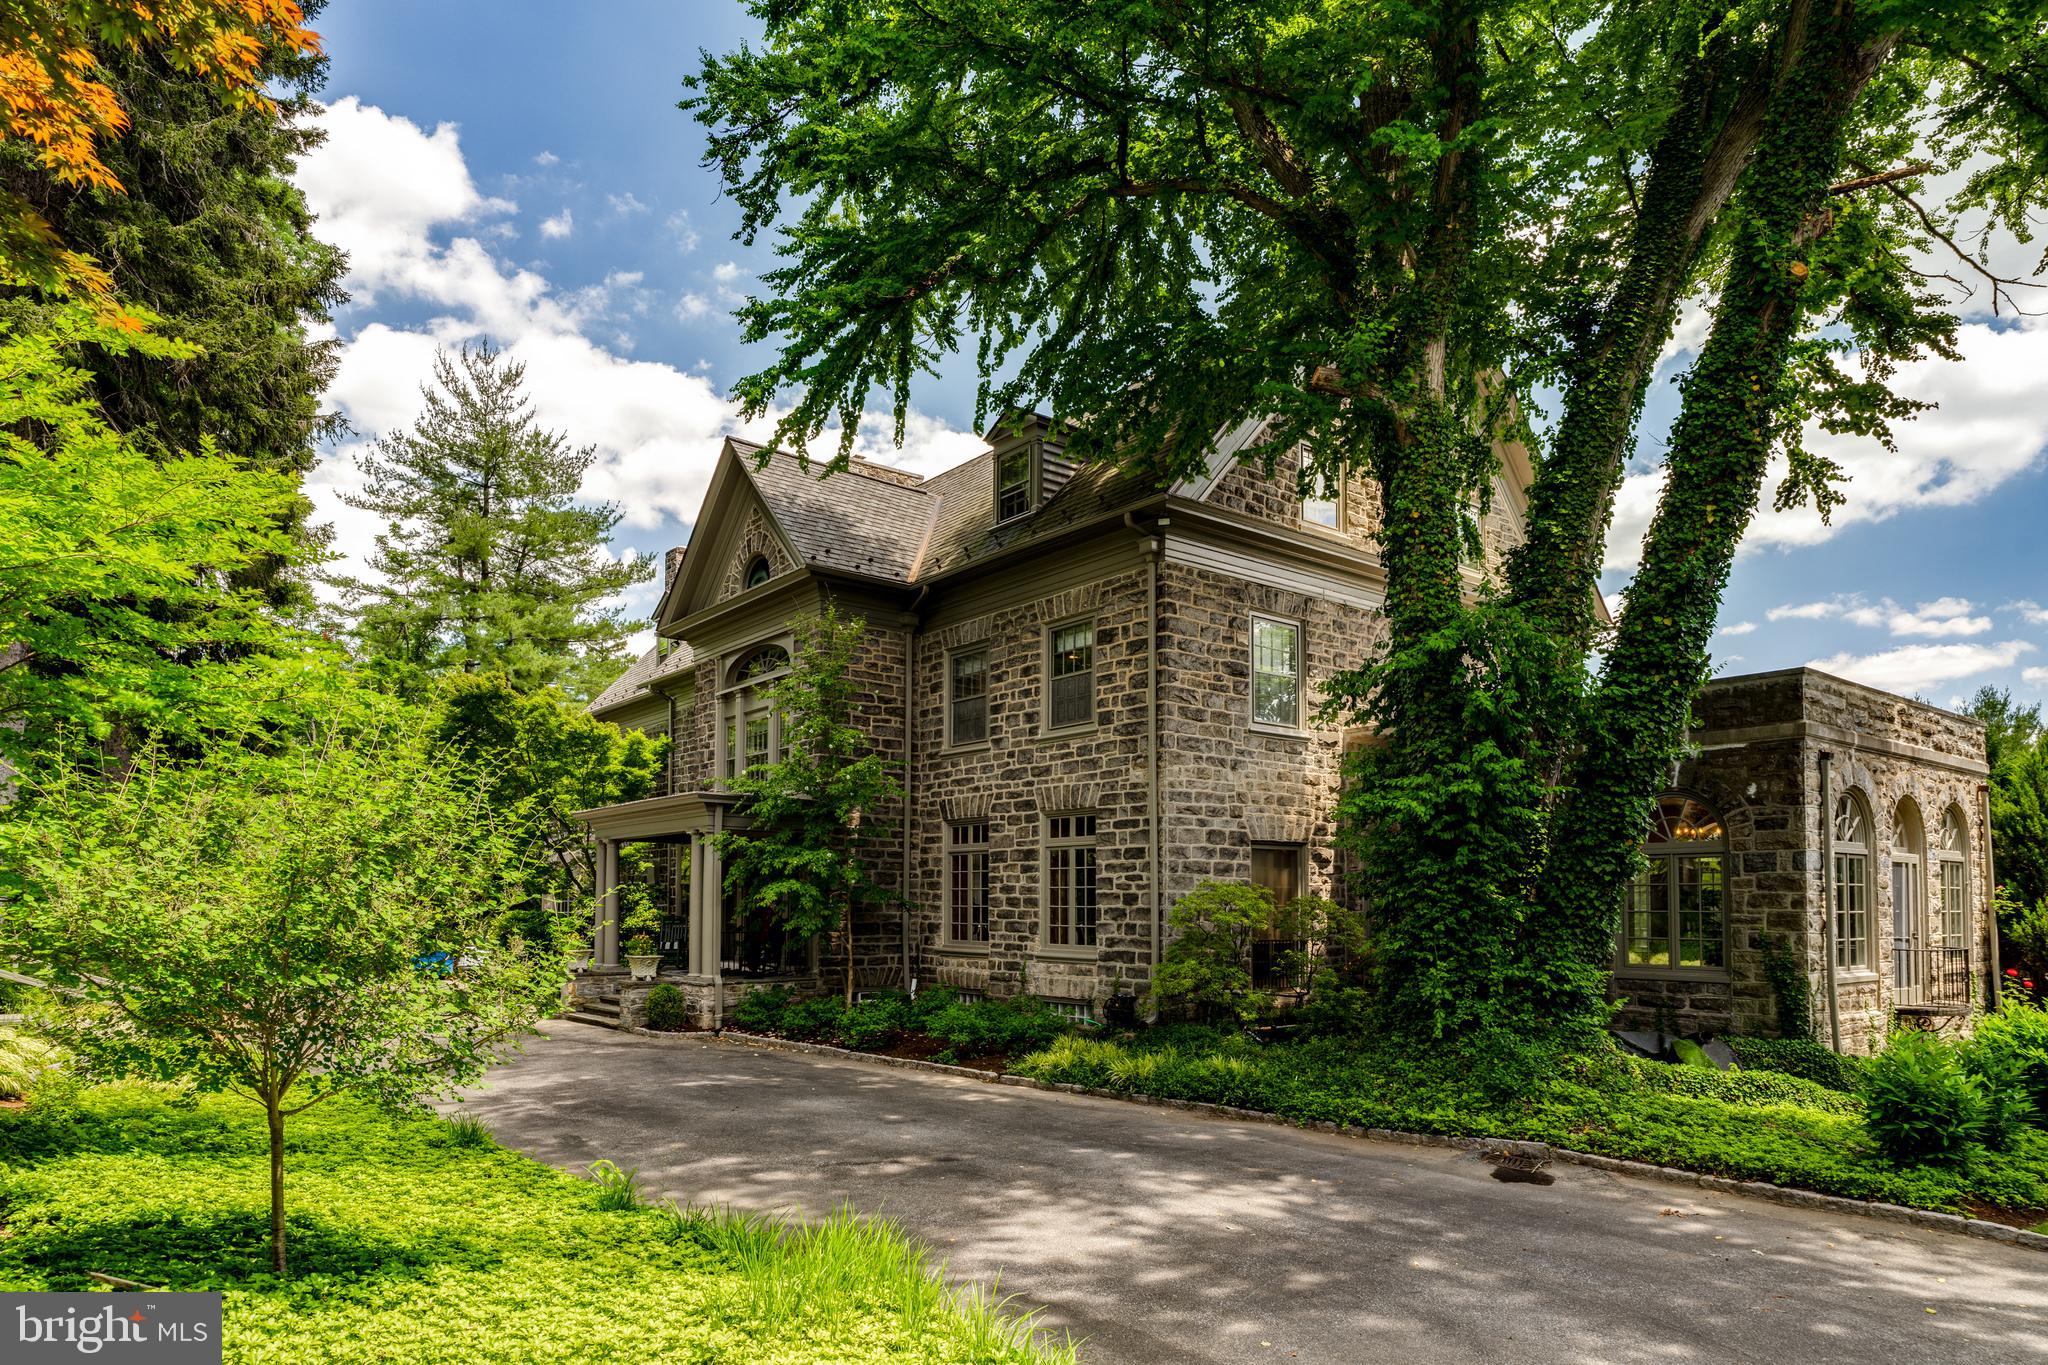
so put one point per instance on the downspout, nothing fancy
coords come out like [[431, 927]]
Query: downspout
[[1154, 548], [1827, 896], [1991, 963], [910, 770]]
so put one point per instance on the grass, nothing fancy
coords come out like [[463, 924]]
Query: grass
[[1745, 1125], [420, 1240]]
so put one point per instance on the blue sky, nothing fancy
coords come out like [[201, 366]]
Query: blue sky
[[519, 171]]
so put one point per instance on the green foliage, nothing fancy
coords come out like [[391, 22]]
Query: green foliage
[[116, 599], [287, 922], [617, 1189], [667, 1012], [1335, 1010], [1747, 1126], [546, 758], [2013, 1044], [1791, 990], [489, 561], [1005, 1027], [761, 1010], [1690, 1053], [1798, 1057], [1206, 973], [400, 1223], [467, 1130], [1921, 1103], [213, 238], [2023, 929], [23, 1058], [638, 945], [815, 814]]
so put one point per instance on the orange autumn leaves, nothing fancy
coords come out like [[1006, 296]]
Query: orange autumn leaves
[[53, 98]]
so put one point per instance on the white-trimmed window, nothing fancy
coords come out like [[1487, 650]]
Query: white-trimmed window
[[1276, 672], [967, 883], [1070, 909], [967, 696], [1952, 876], [1324, 506], [1677, 913], [1070, 675], [1013, 482], [752, 729], [1851, 875]]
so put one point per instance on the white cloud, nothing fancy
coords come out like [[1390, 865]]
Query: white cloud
[[624, 205], [545, 158], [1916, 668], [680, 227], [2037, 676], [1944, 616], [725, 272], [2030, 611], [1739, 628], [1853, 609], [691, 307], [402, 200], [1989, 426], [561, 225]]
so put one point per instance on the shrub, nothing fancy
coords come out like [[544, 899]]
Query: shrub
[[1798, 1057], [1919, 1101], [2001, 1078], [761, 1011], [877, 1022], [1206, 973], [1008, 1027], [1792, 992], [1739, 1087], [666, 1009], [23, 1058], [639, 945], [813, 1021], [1333, 1010], [2020, 1032]]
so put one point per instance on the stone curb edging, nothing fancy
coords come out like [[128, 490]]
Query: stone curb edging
[[1755, 1189]]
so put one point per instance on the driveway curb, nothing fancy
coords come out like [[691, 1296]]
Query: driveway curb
[[1754, 1189]]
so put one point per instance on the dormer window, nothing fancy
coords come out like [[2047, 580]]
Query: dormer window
[[1013, 481], [759, 572]]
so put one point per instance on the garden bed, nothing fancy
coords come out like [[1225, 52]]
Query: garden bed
[[417, 1239]]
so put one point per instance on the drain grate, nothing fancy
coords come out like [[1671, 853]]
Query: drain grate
[[1520, 1167]]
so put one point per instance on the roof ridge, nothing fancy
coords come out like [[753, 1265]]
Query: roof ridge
[[856, 466]]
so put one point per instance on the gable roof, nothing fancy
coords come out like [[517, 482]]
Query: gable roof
[[636, 683], [867, 519]]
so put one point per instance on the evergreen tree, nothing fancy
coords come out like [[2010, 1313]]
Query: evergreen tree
[[489, 563], [209, 235]]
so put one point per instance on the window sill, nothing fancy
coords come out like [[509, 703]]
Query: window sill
[[1046, 952], [1855, 976], [979, 746], [1080, 731], [950, 949], [1720, 974], [1261, 727]]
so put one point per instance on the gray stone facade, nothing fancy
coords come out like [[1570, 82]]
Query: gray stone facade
[[1183, 784]]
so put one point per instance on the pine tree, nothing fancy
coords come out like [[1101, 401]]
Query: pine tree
[[489, 561]]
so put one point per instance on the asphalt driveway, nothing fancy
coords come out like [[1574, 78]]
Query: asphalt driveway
[[1168, 1237]]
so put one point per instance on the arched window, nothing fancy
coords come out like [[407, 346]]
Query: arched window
[[759, 571], [1952, 881], [1677, 914], [1909, 896], [1852, 884], [752, 728]]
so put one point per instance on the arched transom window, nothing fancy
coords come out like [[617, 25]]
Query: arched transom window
[[759, 571], [1677, 913], [752, 730], [1852, 884], [1952, 881]]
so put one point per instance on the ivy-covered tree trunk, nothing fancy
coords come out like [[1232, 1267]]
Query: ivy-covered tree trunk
[[1719, 449]]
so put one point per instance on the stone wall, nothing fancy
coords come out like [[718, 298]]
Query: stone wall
[[1022, 774]]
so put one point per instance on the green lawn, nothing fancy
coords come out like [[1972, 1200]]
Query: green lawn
[[414, 1241]]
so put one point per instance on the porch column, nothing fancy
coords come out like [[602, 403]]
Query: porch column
[[707, 924], [605, 945]]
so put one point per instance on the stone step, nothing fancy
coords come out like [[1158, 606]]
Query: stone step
[[595, 1020]]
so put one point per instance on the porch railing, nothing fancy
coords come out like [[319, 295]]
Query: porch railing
[[1932, 978]]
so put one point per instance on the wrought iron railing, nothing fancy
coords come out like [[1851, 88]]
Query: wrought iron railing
[[1932, 978]]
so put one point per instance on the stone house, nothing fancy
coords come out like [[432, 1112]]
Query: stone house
[[1100, 692]]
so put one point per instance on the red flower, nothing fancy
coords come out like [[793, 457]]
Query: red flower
[[2028, 984], [2012, 971]]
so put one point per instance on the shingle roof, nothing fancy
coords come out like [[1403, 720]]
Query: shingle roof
[[866, 520], [636, 682], [965, 530]]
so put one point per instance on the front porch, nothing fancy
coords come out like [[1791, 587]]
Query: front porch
[[707, 953]]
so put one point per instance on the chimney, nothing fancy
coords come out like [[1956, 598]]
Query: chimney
[[671, 565]]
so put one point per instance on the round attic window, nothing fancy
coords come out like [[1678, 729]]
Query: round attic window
[[758, 571]]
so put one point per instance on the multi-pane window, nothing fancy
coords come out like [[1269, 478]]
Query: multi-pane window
[[1071, 687], [1677, 909], [1070, 881], [1276, 672], [1851, 874], [1277, 952], [752, 730], [1951, 866], [1013, 482], [967, 697], [967, 883], [1322, 511]]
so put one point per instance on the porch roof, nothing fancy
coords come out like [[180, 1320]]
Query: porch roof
[[658, 818]]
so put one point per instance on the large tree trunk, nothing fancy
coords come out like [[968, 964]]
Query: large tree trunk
[[1693, 169], [1719, 449]]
